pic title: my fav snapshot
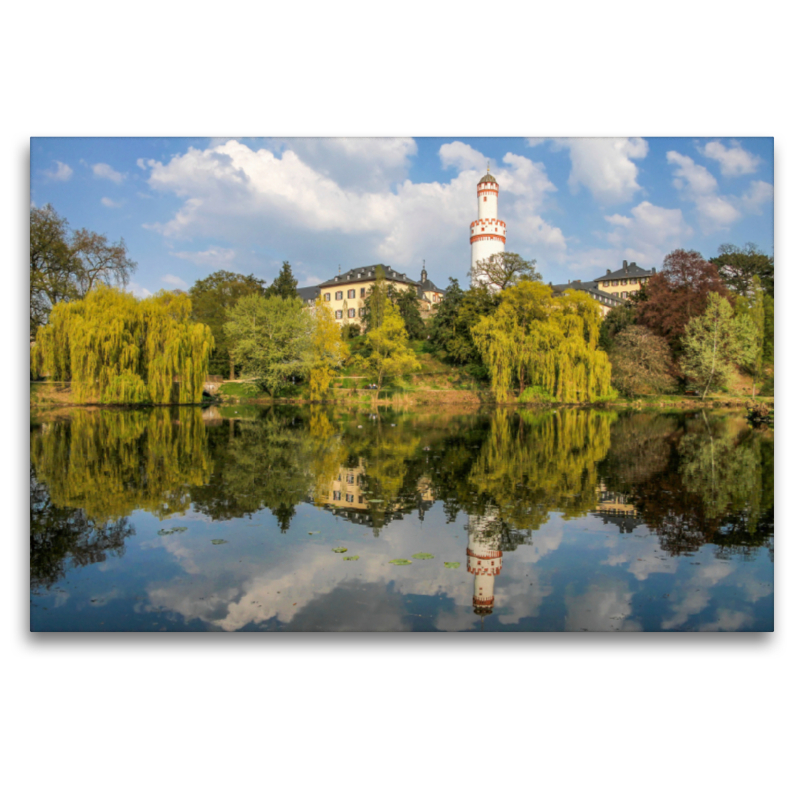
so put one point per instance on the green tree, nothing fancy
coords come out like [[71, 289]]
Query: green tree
[[752, 309], [388, 353], [285, 285], [713, 343], [212, 298], [328, 350], [502, 270], [117, 349], [769, 329], [66, 265], [739, 266], [270, 338], [407, 304], [678, 293], [376, 300], [535, 339], [617, 320], [641, 363]]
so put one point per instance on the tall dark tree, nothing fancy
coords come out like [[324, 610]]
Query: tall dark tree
[[617, 320], [738, 266], [678, 293], [212, 298], [66, 265], [285, 285], [408, 305]]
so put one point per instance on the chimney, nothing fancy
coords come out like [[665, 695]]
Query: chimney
[[624, 265], [608, 272]]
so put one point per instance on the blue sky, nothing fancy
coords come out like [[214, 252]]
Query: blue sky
[[187, 207]]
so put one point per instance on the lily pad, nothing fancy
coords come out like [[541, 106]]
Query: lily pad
[[452, 564], [351, 558], [339, 549], [170, 531], [219, 541], [400, 561], [422, 556]]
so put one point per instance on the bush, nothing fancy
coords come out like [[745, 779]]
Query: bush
[[535, 394], [641, 363]]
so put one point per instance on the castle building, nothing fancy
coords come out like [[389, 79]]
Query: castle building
[[487, 234], [346, 294], [611, 289]]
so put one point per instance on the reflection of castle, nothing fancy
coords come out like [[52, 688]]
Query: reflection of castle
[[613, 508], [484, 560], [347, 496]]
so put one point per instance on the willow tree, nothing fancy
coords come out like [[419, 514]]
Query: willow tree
[[548, 343], [115, 348], [327, 350]]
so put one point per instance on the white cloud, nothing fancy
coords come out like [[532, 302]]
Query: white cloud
[[109, 203], [257, 199], [697, 184], [605, 166], [533, 141], [214, 257], [648, 234], [62, 172], [174, 280], [107, 172], [138, 290], [733, 160], [759, 193]]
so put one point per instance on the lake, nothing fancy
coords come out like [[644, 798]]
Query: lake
[[247, 518]]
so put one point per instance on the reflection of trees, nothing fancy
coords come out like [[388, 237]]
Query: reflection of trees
[[272, 462], [696, 481], [65, 537], [531, 464], [111, 462]]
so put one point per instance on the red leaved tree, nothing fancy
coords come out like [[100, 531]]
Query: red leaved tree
[[678, 293]]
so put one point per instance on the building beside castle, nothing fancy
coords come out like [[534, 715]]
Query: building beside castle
[[487, 234], [346, 294], [611, 289]]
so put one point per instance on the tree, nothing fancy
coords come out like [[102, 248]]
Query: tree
[[328, 350], [678, 293], [270, 339], [714, 342], [752, 308], [66, 266], [641, 363], [739, 266], [100, 261], [407, 304], [285, 285], [549, 343], [376, 300], [502, 270], [457, 314], [617, 320], [117, 349], [212, 298], [388, 352]]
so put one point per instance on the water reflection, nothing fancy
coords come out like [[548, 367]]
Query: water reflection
[[597, 505]]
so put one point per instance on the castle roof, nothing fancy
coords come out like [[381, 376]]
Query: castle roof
[[308, 293], [488, 178], [591, 288], [628, 271], [368, 274]]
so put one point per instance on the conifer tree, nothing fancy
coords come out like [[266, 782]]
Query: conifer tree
[[285, 285]]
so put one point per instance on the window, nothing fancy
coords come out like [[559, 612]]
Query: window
[[362, 312], [351, 312], [484, 199], [361, 498], [350, 479], [339, 295], [351, 294], [338, 315], [363, 292], [624, 281], [616, 283], [337, 495], [624, 295], [328, 297], [349, 498]]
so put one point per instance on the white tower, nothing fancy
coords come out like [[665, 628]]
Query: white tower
[[484, 561], [487, 235]]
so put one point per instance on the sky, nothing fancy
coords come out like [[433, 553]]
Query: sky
[[578, 206]]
